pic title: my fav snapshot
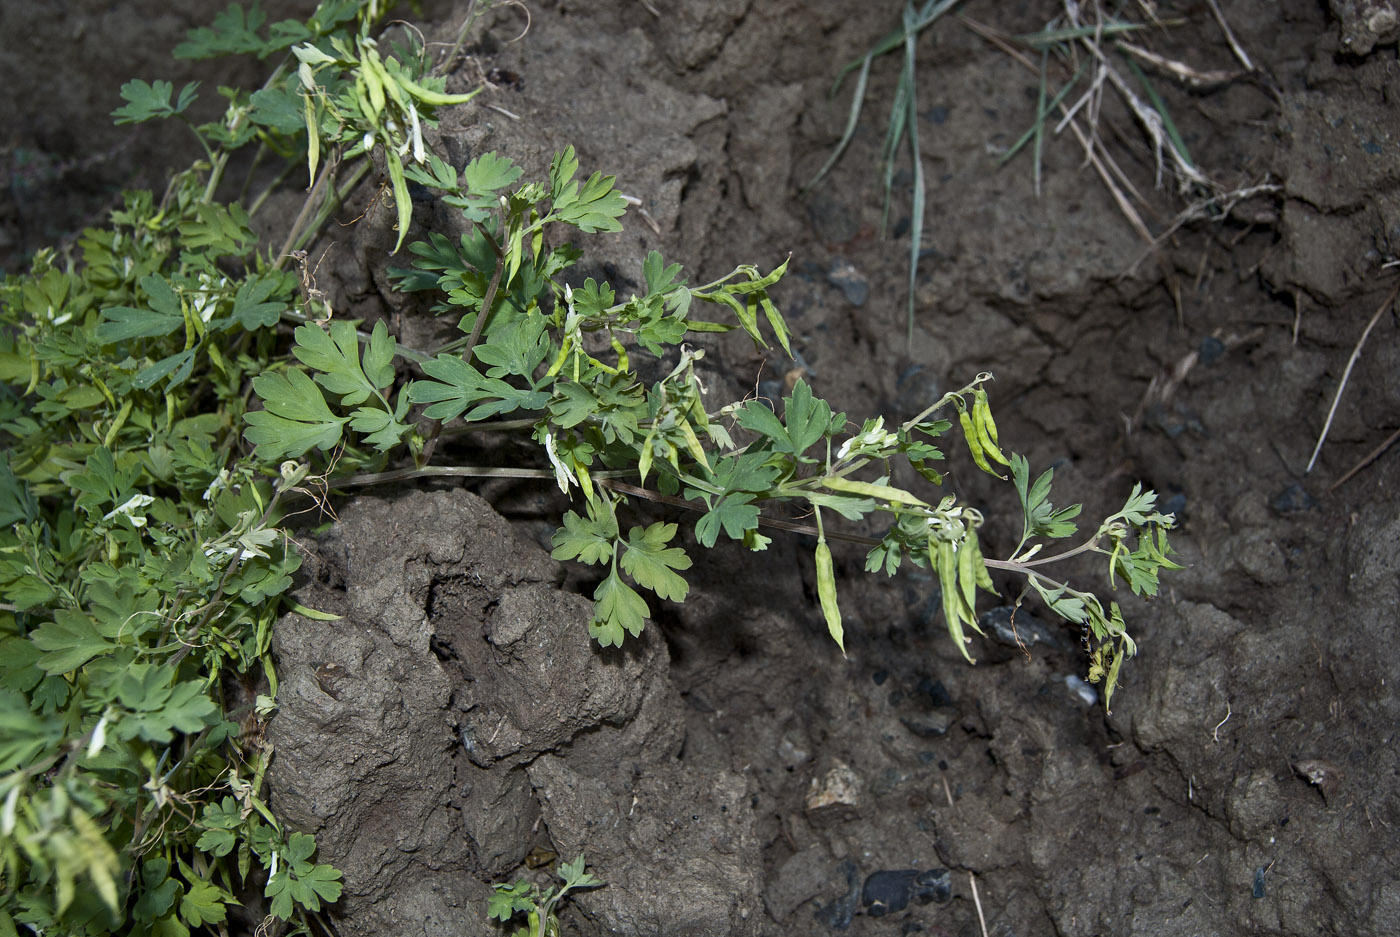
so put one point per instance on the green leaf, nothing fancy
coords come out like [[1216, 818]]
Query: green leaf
[[337, 356], [71, 640], [147, 101], [588, 540], [1040, 517], [594, 208], [280, 109], [252, 308], [652, 564], [204, 902], [508, 900], [460, 386], [808, 419], [162, 316], [296, 417], [218, 231], [735, 513], [616, 608], [298, 882], [489, 173], [516, 349], [231, 33], [660, 278], [179, 365]]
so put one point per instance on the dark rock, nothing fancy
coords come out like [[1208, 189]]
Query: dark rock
[[1175, 505], [937, 114], [928, 727], [1211, 350], [1259, 882], [838, 914], [849, 281], [880, 676], [916, 390], [1293, 499], [936, 692], [1000, 626], [891, 890]]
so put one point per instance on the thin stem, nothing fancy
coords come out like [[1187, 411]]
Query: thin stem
[[490, 296], [305, 212]]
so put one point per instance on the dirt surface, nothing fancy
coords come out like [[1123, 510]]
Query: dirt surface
[[1247, 779]]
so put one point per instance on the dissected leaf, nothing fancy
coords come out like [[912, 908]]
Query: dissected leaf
[[617, 608], [296, 417], [652, 564]]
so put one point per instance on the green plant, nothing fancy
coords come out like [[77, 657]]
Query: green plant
[[565, 357], [525, 898], [143, 561], [145, 554]]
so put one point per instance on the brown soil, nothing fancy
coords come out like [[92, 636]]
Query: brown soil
[[1246, 781]]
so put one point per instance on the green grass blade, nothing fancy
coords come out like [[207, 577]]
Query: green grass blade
[[1050, 37], [1049, 109], [1160, 107], [916, 222], [1040, 112], [851, 120]]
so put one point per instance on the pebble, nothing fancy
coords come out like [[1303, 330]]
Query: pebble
[[928, 727], [838, 914], [1259, 882], [891, 890], [1211, 350], [840, 786], [1175, 505], [1082, 691], [1028, 627], [845, 277], [1293, 499], [916, 390], [936, 692]]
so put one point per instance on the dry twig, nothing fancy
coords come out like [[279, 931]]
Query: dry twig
[[1346, 375]]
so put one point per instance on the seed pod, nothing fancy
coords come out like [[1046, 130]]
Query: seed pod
[[974, 442], [826, 591]]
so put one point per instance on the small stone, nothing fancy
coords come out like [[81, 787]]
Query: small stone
[[1323, 775], [1293, 499], [1175, 505], [1259, 882], [891, 890], [849, 281], [840, 786], [928, 727], [838, 914], [1211, 350], [1017, 627], [1082, 691], [936, 692], [880, 676]]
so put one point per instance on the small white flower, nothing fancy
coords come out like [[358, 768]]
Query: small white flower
[[99, 737], [872, 437], [563, 474], [131, 510], [418, 153], [7, 815], [217, 485]]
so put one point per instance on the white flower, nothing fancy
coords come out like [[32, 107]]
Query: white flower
[[563, 474], [872, 437], [131, 510]]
